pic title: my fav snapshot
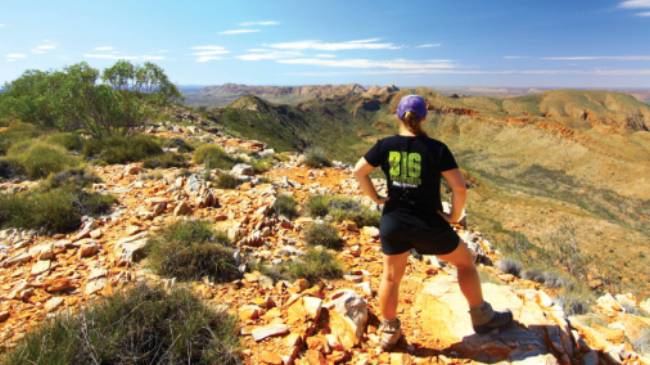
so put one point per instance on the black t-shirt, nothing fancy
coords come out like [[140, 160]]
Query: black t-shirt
[[412, 165]]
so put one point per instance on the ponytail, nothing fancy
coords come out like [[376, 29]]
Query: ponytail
[[413, 123]]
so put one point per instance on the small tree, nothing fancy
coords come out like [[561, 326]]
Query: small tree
[[74, 98]]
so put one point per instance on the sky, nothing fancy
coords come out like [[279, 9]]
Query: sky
[[489, 43]]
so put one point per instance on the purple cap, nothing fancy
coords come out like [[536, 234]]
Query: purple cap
[[412, 103]]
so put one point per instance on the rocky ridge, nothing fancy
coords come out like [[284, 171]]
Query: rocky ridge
[[333, 321]]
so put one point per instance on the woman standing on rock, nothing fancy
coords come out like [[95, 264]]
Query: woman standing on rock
[[412, 216]]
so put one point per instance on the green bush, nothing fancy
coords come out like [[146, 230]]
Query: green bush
[[55, 210], [190, 250], [510, 266], [16, 132], [166, 160], [313, 266], [262, 165], [285, 205], [69, 141], [179, 144], [342, 208], [142, 325], [39, 159], [323, 234], [316, 158], [118, 149], [227, 181], [318, 205], [74, 178], [74, 98], [213, 157], [9, 169]]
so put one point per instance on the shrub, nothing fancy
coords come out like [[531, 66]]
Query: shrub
[[262, 165], [56, 210], [323, 234], [142, 325], [179, 144], [510, 266], [73, 98], [573, 304], [166, 160], [285, 205], [227, 181], [75, 178], [39, 159], [213, 157], [342, 208], [69, 141], [9, 168], [318, 205], [535, 275], [190, 250], [56, 205], [313, 266], [553, 280], [16, 132], [362, 216], [118, 149], [316, 158]]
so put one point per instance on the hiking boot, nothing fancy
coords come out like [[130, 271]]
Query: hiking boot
[[485, 319], [391, 332]]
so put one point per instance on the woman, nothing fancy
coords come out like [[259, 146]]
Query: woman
[[412, 217]]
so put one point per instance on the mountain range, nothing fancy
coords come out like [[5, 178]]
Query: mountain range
[[558, 177]]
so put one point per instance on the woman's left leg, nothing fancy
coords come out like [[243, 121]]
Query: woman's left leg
[[394, 267]]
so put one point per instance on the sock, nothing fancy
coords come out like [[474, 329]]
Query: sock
[[481, 314], [391, 323]]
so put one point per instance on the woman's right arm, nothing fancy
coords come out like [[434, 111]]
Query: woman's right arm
[[362, 172], [456, 182]]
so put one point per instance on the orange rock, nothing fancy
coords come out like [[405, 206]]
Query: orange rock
[[271, 358], [319, 344], [314, 357], [400, 358], [59, 285]]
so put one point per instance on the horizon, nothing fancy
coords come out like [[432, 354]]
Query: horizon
[[600, 44]]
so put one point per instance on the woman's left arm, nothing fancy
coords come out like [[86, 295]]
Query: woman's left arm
[[362, 172]]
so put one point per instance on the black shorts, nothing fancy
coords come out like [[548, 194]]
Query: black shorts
[[428, 235]]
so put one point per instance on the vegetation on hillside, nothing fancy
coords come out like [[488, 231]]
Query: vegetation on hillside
[[143, 325], [56, 204], [79, 98], [190, 250]]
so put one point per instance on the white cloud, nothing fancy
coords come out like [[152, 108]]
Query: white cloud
[[429, 45], [364, 63], [264, 23], [44, 47], [208, 53], [11, 57], [643, 13], [2, 25], [326, 55], [598, 58], [239, 31], [258, 54], [104, 49], [592, 72], [117, 56], [372, 43], [514, 57], [635, 4]]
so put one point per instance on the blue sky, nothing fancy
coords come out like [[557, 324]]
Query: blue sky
[[518, 43]]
